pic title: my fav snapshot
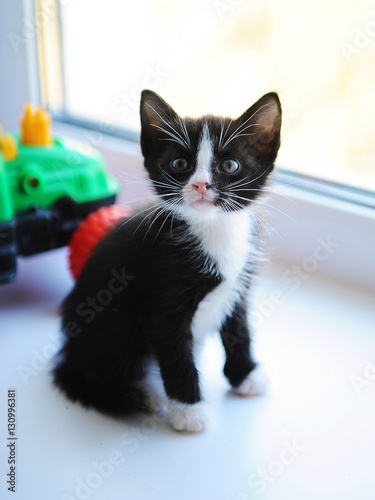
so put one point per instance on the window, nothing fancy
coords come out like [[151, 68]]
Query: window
[[316, 205], [218, 56]]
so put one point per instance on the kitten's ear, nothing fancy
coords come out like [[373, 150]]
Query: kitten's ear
[[263, 122], [155, 114]]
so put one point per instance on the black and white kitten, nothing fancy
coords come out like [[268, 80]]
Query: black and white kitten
[[175, 270]]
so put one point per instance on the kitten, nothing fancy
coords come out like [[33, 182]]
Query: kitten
[[175, 270]]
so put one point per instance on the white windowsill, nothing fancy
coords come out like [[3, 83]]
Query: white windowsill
[[317, 347]]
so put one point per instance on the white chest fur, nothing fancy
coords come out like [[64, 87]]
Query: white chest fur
[[228, 243]]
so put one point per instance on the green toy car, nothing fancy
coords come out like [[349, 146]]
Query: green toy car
[[48, 185]]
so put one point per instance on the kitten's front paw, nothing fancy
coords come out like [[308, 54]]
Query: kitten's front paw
[[186, 417], [253, 385]]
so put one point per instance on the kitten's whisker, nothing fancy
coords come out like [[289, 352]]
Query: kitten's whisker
[[239, 187], [272, 188], [233, 196], [163, 209], [169, 189], [171, 179], [262, 204], [168, 125], [233, 203], [131, 182], [131, 201], [263, 173], [124, 171], [139, 177], [171, 209], [259, 176], [146, 216], [238, 182], [221, 133], [184, 130], [241, 183], [165, 185], [266, 223], [170, 192], [238, 134], [159, 210], [175, 193], [225, 134], [261, 223], [174, 138], [225, 207], [135, 215], [235, 190], [238, 129], [241, 135]]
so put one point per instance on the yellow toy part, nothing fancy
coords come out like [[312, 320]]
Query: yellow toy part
[[8, 146], [35, 127]]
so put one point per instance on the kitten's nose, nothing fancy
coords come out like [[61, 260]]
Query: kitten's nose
[[201, 187]]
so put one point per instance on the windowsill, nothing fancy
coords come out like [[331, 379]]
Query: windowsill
[[315, 343]]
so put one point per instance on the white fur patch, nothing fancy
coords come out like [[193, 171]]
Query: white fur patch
[[254, 385], [226, 239], [187, 417], [204, 158], [202, 174], [152, 385]]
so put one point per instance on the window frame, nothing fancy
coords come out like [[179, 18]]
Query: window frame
[[319, 209], [19, 57]]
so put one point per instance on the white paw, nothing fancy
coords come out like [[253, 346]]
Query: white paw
[[253, 385], [185, 417]]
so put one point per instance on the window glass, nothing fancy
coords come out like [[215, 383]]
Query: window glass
[[219, 56]]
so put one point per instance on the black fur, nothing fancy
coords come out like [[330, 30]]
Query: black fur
[[108, 348], [136, 296]]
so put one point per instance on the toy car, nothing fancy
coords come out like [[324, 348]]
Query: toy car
[[48, 185]]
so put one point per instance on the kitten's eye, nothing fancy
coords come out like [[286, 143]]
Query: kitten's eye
[[180, 165], [229, 166]]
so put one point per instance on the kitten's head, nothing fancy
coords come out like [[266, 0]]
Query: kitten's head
[[210, 164]]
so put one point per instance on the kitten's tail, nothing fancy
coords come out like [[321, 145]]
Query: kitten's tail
[[112, 398]]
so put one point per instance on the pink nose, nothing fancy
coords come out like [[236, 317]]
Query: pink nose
[[201, 187]]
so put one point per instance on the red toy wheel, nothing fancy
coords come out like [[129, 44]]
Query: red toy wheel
[[89, 232]]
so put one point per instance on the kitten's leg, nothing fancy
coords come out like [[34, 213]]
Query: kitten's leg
[[181, 382], [152, 386], [240, 368]]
